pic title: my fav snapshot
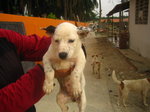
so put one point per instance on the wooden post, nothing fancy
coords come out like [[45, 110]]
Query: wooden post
[[112, 25], [100, 13]]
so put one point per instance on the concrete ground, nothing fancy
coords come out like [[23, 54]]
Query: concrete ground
[[102, 93]]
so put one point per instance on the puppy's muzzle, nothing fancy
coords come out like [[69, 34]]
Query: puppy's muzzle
[[63, 55]]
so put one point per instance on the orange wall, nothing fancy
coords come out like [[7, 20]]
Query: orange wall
[[33, 24]]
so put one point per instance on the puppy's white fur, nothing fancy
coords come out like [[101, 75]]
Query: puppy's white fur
[[66, 40], [139, 85]]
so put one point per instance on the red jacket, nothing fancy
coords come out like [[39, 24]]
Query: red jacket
[[27, 90]]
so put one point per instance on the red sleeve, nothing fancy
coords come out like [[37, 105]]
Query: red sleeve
[[30, 48], [26, 91]]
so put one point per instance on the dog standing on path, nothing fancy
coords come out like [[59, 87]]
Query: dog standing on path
[[66, 58], [140, 85], [96, 64]]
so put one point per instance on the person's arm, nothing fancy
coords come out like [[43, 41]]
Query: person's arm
[[26, 91], [30, 48]]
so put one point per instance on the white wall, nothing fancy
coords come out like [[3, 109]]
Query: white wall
[[139, 33]]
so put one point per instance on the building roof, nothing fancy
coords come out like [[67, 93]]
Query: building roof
[[118, 8], [115, 20]]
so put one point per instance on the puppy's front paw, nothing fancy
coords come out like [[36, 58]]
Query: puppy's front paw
[[76, 89], [48, 86]]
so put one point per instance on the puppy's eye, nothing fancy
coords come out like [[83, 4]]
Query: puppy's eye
[[70, 41], [57, 41]]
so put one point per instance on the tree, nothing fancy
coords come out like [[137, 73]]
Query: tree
[[69, 9]]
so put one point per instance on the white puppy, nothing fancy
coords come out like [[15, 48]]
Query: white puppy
[[140, 85], [66, 58]]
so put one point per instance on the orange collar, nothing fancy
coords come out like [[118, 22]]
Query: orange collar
[[56, 60], [63, 72]]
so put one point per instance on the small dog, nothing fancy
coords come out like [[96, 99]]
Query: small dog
[[141, 85], [65, 60], [96, 65]]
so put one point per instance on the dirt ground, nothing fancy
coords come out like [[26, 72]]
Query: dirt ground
[[128, 65], [102, 93]]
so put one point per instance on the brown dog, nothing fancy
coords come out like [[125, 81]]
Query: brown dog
[[96, 65], [141, 85]]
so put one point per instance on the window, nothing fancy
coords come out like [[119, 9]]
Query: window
[[141, 16]]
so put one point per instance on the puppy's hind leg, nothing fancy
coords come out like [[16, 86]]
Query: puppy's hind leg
[[82, 102], [99, 76], [62, 99], [119, 97], [144, 97], [124, 97], [93, 68]]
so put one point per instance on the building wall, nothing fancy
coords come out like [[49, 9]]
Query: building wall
[[139, 33]]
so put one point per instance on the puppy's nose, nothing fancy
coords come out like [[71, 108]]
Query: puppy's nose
[[63, 55]]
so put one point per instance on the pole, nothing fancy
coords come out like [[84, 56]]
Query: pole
[[100, 13]]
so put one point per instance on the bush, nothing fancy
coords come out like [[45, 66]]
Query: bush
[[52, 16]]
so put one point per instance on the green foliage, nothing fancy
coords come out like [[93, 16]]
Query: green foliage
[[52, 16], [68, 9]]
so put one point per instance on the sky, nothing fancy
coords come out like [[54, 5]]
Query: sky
[[108, 5]]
